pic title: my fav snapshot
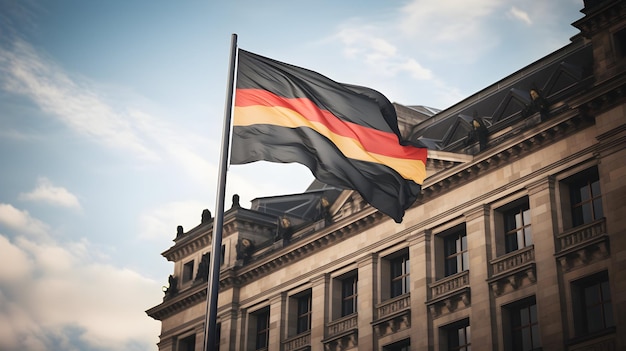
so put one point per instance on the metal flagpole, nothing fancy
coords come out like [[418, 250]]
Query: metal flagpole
[[213, 285]]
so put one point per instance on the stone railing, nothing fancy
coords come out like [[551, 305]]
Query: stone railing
[[513, 260], [392, 306], [298, 342], [449, 284], [581, 234], [341, 325]]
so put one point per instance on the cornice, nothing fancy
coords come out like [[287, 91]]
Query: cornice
[[235, 220], [183, 300], [596, 20]]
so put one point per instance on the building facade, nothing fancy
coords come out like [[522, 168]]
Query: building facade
[[517, 242]]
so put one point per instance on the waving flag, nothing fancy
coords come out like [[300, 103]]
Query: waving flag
[[346, 135]]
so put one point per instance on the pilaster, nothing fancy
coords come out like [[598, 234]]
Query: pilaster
[[319, 298], [479, 251], [367, 287], [420, 261], [542, 203]]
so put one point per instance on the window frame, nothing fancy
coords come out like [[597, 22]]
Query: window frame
[[259, 333], [454, 248], [452, 329], [187, 271], [514, 330], [349, 301], [581, 307]]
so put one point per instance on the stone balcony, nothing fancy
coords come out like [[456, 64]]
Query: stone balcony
[[299, 342], [393, 315], [582, 245], [342, 334], [513, 270], [448, 292]]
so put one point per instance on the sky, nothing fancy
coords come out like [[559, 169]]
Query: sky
[[111, 117]]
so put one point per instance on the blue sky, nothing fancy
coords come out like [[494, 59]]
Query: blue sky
[[110, 125]]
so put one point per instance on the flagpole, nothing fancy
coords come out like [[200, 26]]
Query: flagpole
[[213, 282]]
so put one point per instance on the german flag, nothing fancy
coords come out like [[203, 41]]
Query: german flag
[[346, 135]]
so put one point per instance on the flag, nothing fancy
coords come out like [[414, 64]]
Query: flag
[[346, 135]]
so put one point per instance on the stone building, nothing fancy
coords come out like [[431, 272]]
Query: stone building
[[517, 242]]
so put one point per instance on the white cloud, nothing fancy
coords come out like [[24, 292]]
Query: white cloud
[[445, 20], [21, 221], [48, 193], [57, 296], [520, 15], [382, 57], [88, 112], [76, 104]]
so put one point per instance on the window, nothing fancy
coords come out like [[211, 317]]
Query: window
[[404, 345], [524, 326], [619, 38], [187, 271], [260, 321], [349, 295], [399, 275], [517, 231], [187, 344], [304, 313], [591, 299], [455, 251], [585, 197], [458, 336], [218, 335]]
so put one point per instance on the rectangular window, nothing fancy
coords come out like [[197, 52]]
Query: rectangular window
[[585, 197], [262, 328], [524, 326], [187, 344], [187, 271], [400, 275], [455, 250], [458, 336], [304, 313], [619, 39], [218, 336], [349, 295], [591, 298], [517, 230]]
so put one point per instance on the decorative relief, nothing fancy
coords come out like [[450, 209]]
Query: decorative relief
[[345, 342], [393, 325]]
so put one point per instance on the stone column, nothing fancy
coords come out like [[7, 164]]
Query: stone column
[[277, 318], [420, 261], [367, 288], [479, 252], [543, 222], [228, 329], [319, 306]]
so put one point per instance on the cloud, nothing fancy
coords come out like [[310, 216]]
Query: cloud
[[58, 296], [88, 112], [48, 193], [21, 221], [77, 105], [380, 55], [520, 15]]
